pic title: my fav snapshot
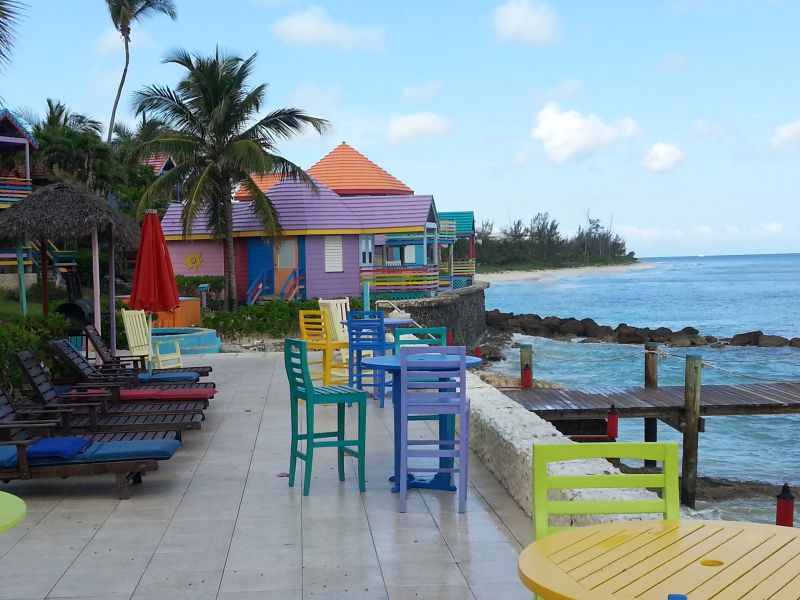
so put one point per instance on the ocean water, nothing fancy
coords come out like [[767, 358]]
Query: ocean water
[[721, 296]]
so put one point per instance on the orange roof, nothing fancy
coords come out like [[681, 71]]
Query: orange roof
[[348, 172], [264, 183]]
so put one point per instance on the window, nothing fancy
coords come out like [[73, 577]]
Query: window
[[333, 254], [409, 255], [286, 254], [366, 249]]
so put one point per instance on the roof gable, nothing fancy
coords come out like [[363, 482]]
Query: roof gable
[[12, 126], [348, 172]]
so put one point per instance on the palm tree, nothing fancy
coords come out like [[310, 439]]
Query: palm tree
[[123, 13], [9, 17], [58, 114], [218, 141]]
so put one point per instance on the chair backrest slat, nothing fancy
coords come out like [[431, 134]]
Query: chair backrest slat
[[419, 336], [40, 382], [337, 313], [74, 360], [314, 326], [98, 343], [666, 481], [432, 375], [137, 332], [366, 330], [295, 358]]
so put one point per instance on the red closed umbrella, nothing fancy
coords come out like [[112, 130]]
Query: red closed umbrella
[[154, 288]]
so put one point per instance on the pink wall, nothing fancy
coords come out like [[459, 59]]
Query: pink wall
[[210, 252]]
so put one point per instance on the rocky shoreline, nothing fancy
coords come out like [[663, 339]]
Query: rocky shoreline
[[566, 329]]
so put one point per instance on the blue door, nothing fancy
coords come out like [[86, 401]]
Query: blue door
[[259, 261]]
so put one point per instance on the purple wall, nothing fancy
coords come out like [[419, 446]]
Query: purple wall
[[320, 284]]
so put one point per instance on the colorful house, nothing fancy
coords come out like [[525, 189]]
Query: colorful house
[[463, 267], [361, 224]]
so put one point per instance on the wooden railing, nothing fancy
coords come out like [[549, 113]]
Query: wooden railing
[[292, 286], [447, 231], [258, 287], [464, 268], [13, 189], [401, 279]]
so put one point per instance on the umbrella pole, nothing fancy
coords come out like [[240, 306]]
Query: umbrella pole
[[150, 343], [43, 272], [112, 292], [96, 279], [23, 292]]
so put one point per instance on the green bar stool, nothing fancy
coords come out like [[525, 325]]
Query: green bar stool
[[301, 388]]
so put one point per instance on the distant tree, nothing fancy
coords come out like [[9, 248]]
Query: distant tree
[[217, 141], [10, 11], [484, 231], [123, 13]]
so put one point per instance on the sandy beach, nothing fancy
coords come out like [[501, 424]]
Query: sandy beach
[[546, 275]]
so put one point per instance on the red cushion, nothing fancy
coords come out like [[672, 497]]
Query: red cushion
[[190, 394]]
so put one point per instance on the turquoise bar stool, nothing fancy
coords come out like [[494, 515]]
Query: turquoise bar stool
[[301, 388]]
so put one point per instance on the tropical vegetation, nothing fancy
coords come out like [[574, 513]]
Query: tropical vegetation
[[123, 13], [10, 11], [218, 141], [540, 244]]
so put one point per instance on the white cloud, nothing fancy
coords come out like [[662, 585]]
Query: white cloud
[[567, 135], [786, 137], [422, 91], [526, 21], [662, 158], [313, 27], [772, 229], [402, 129]]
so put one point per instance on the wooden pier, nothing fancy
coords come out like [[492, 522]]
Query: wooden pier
[[681, 407]]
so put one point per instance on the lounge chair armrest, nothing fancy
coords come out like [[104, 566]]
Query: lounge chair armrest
[[17, 443], [29, 409], [27, 423], [97, 394]]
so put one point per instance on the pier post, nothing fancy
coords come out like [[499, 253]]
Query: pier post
[[650, 381], [690, 433], [526, 365]]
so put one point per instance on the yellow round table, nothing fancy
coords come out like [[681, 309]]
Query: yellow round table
[[648, 560], [12, 511]]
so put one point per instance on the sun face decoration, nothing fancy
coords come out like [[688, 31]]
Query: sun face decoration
[[193, 262]]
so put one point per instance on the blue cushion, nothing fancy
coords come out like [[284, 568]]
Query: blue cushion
[[8, 457], [185, 377], [130, 450], [57, 447]]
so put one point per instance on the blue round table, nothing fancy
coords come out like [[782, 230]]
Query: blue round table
[[393, 322], [391, 364]]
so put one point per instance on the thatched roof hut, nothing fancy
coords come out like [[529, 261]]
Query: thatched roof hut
[[64, 213]]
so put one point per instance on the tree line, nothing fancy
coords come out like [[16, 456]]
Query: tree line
[[540, 243]]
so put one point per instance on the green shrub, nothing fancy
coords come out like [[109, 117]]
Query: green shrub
[[28, 334], [187, 284], [275, 318], [34, 293]]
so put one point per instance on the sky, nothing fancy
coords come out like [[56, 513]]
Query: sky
[[676, 122]]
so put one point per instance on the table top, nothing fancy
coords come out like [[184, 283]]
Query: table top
[[651, 559], [12, 511], [392, 362]]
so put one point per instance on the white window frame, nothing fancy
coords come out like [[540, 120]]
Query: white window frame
[[334, 254], [409, 251], [366, 250]]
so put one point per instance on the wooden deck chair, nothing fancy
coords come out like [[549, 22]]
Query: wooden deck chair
[[162, 355], [315, 329], [337, 315], [666, 481]]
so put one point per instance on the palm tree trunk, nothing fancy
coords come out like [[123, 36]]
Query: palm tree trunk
[[119, 90], [229, 256]]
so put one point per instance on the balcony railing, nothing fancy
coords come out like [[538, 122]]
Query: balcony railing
[[401, 279], [464, 268], [13, 189]]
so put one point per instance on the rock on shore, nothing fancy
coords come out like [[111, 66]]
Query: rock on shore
[[568, 328]]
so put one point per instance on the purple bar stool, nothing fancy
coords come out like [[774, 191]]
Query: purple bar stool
[[366, 332], [433, 381]]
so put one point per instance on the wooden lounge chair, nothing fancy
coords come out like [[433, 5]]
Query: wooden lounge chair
[[130, 363], [126, 388], [94, 412], [125, 455]]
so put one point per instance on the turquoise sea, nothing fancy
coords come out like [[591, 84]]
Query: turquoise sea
[[721, 296]]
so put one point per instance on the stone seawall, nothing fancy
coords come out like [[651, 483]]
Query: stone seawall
[[462, 311]]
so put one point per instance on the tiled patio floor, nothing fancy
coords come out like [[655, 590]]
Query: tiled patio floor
[[219, 520]]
